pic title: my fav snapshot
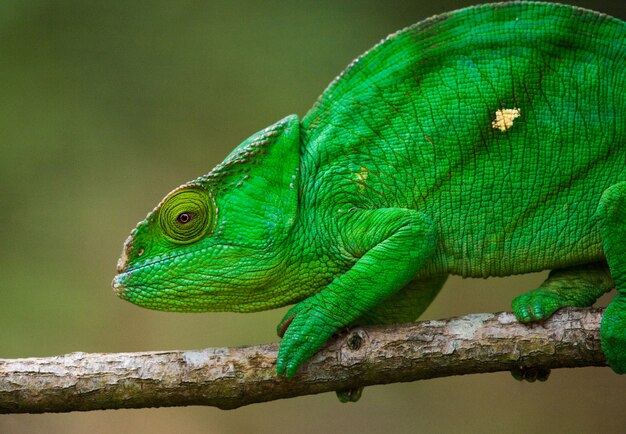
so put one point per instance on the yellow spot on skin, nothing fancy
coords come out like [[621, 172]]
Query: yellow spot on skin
[[362, 177], [504, 118]]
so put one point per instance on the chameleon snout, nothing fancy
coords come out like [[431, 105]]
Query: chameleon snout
[[122, 262], [122, 266]]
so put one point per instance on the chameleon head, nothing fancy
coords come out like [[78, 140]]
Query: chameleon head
[[188, 256], [155, 256]]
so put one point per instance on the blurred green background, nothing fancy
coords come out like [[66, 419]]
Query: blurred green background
[[105, 106]]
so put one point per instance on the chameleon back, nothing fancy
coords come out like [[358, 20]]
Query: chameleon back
[[504, 123]]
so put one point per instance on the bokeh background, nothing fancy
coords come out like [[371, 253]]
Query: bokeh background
[[105, 106]]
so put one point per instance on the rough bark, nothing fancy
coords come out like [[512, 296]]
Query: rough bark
[[233, 377]]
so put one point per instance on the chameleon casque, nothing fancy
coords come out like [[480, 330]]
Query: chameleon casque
[[488, 141]]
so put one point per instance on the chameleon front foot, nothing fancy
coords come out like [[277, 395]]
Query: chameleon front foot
[[350, 395], [304, 330]]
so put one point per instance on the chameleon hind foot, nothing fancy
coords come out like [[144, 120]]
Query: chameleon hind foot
[[612, 214], [613, 334], [568, 287], [530, 374]]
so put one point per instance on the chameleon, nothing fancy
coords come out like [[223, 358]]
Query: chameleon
[[487, 141]]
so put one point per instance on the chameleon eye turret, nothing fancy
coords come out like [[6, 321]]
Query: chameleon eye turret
[[187, 215]]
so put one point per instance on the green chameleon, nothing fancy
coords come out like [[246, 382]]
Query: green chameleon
[[488, 141]]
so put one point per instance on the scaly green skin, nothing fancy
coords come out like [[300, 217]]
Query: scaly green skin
[[489, 141]]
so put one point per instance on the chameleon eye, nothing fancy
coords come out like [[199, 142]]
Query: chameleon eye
[[186, 215]]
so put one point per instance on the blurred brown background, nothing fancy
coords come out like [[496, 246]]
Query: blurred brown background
[[105, 106]]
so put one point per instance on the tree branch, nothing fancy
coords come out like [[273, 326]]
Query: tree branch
[[233, 377]]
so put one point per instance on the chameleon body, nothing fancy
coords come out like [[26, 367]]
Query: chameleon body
[[488, 141]]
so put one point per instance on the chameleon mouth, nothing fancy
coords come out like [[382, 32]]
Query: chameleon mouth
[[125, 270], [117, 285]]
